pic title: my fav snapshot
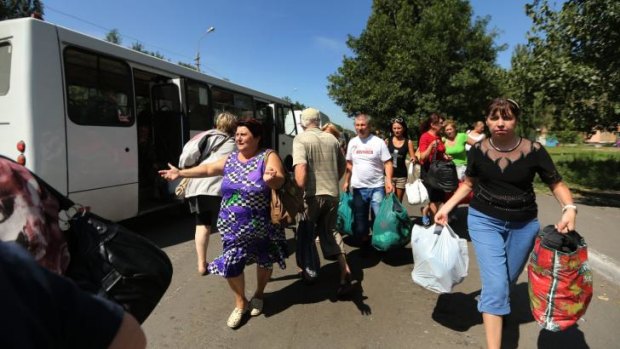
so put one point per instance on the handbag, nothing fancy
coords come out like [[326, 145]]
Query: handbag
[[442, 175], [415, 189], [111, 261], [306, 254], [286, 201], [559, 279], [440, 258]]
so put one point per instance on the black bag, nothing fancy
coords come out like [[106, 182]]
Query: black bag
[[442, 175], [109, 260]]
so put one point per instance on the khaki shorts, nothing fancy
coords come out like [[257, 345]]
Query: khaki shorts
[[323, 211], [399, 182]]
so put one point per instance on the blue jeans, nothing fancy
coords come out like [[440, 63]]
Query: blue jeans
[[502, 248], [363, 200]]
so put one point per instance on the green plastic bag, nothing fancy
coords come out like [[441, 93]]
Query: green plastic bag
[[344, 222], [392, 228]]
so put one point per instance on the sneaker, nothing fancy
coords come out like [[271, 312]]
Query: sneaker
[[256, 306], [234, 320], [426, 221]]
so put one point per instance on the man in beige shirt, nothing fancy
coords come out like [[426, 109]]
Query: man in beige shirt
[[319, 165]]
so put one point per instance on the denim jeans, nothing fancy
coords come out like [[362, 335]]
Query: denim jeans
[[363, 200], [502, 248]]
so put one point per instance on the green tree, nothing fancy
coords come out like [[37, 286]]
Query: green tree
[[187, 65], [418, 56], [567, 76], [296, 105], [137, 46], [20, 8], [114, 37]]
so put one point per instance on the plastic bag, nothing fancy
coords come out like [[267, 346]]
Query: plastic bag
[[440, 257], [392, 225], [416, 193], [559, 279], [344, 222]]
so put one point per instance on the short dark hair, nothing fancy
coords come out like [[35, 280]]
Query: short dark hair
[[255, 126]]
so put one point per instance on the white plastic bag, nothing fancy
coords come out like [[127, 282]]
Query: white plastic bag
[[415, 189], [416, 193], [440, 258]]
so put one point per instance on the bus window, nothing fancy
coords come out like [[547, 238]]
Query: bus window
[[287, 120], [236, 103], [99, 90], [198, 111], [264, 114], [5, 67]]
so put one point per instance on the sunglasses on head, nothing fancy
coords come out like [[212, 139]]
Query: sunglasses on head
[[396, 120]]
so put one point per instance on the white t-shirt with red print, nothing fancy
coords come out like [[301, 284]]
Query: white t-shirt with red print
[[368, 156]]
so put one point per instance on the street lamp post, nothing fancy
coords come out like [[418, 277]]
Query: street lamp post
[[197, 59]]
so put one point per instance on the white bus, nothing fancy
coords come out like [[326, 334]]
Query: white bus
[[97, 120]]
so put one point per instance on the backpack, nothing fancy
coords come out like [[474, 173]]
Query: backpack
[[197, 149]]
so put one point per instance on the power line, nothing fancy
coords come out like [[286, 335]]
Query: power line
[[47, 7]]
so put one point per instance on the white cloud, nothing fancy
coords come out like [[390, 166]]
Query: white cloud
[[330, 44]]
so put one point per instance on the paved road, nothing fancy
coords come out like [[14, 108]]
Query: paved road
[[386, 310]]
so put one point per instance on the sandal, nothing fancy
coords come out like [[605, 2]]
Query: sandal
[[256, 306]]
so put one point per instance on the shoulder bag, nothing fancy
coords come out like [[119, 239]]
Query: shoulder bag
[[442, 175], [286, 202]]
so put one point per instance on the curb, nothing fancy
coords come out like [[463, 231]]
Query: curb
[[608, 267]]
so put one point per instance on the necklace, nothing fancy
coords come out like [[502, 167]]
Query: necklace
[[505, 150]]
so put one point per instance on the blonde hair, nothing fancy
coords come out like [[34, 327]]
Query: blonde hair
[[331, 128], [227, 123], [449, 123]]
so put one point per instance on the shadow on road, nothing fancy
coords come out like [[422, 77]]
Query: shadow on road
[[459, 312], [324, 288], [157, 226], [569, 338], [597, 198]]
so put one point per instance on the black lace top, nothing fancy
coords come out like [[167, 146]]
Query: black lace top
[[504, 187]]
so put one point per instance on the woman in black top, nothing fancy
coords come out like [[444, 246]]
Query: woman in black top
[[502, 214], [400, 145]]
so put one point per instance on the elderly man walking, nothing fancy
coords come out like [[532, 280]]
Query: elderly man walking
[[319, 165], [367, 159]]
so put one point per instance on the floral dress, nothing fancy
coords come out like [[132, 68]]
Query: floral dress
[[244, 221]]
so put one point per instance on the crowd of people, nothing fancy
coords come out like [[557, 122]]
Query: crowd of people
[[230, 190]]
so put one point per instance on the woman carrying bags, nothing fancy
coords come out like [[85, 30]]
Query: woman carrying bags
[[400, 146], [502, 214], [431, 149]]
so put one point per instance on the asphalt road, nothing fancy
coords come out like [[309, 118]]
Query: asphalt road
[[386, 310]]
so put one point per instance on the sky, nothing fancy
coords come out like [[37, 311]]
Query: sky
[[279, 47]]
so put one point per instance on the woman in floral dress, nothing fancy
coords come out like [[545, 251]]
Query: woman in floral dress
[[248, 236]]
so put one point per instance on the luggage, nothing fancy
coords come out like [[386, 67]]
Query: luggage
[[440, 257], [559, 279], [392, 226]]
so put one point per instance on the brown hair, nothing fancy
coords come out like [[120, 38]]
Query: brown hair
[[331, 128], [504, 106], [432, 119], [255, 126]]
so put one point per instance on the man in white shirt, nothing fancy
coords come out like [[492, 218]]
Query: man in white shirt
[[368, 157]]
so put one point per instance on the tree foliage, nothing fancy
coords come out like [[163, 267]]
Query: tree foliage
[[20, 8], [567, 76], [297, 105], [137, 46], [114, 37], [188, 65], [417, 57]]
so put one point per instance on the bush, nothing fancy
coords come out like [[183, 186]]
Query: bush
[[590, 172], [568, 137]]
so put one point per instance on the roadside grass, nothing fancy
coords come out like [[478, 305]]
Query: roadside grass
[[593, 174]]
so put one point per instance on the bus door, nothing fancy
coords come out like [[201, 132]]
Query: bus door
[[159, 130], [264, 114], [285, 132], [101, 135]]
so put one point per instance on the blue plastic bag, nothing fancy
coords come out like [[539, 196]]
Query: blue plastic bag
[[344, 222], [392, 228]]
